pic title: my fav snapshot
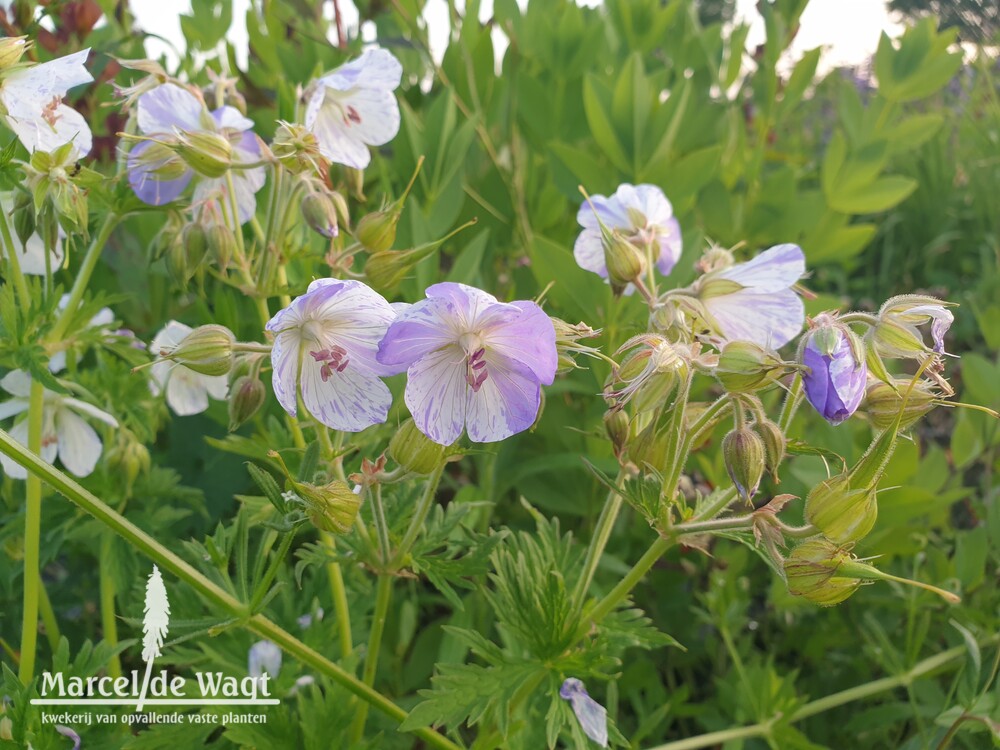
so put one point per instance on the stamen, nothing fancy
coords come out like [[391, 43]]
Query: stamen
[[352, 114], [475, 370]]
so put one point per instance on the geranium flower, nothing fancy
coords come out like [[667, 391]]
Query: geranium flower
[[325, 344], [65, 433], [264, 656], [187, 391], [837, 375], [31, 255], [353, 108], [593, 717], [641, 214], [754, 301], [32, 96], [156, 173], [472, 362]]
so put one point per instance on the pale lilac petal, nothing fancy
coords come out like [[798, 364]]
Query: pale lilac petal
[[671, 245], [506, 403], [774, 270], [593, 717], [169, 107], [769, 320], [588, 251], [436, 394], [39, 130], [417, 331], [834, 383], [335, 141], [186, 394], [376, 68], [377, 114], [147, 186], [285, 366], [230, 117], [470, 303], [69, 734], [79, 444], [527, 337], [51, 79], [349, 401], [609, 211], [649, 200]]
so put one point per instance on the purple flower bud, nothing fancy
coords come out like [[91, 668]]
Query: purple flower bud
[[835, 380], [593, 717]]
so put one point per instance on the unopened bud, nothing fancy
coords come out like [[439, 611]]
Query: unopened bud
[[811, 572], [842, 514], [6, 729], [617, 427], [377, 230], [649, 448], [884, 403], [221, 243], [743, 452], [414, 451], [187, 252], [331, 507], [744, 366], [246, 396], [11, 50], [207, 153], [207, 350], [774, 446], [624, 261], [320, 214], [24, 217]]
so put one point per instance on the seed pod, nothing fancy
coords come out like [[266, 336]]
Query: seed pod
[[207, 349], [743, 452], [377, 230], [617, 427], [187, 252], [884, 403], [24, 217], [624, 261], [774, 446], [331, 507], [811, 572], [744, 366], [208, 154], [11, 50], [842, 514], [414, 451]]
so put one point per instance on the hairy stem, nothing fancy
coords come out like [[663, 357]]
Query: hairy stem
[[16, 275], [109, 623], [82, 279], [32, 538], [419, 517], [383, 595]]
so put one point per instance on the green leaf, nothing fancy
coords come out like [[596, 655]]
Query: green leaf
[[968, 680], [879, 196], [597, 105]]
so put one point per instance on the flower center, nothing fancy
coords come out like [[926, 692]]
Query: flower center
[[334, 360], [49, 113], [475, 369]]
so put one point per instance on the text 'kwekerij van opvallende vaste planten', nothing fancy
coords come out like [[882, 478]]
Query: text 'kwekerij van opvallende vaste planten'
[[544, 395]]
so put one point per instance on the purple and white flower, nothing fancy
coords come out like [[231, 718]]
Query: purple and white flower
[[755, 301], [642, 214], [353, 107], [264, 656], [837, 371], [897, 332], [187, 391], [31, 255], [33, 99], [325, 346], [65, 432], [157, 175], [593, 717], [472, 363]]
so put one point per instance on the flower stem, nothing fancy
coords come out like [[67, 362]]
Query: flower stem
[[214, 594], [419, 516], [82, 279], [16, 275], [383, 595], [109, 624], [599, 540], [272, 571], [48, 617], [339, 593], [32, 537]]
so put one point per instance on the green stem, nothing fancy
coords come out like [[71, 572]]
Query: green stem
[[48, 617], [32, 537], [16, 275], [82, 279], [109, 623], [792, 401], [419, 516], [339, 593], [599, 540], [169, 561], [272, 571], [381, 527], [931, 664], [383, 594]]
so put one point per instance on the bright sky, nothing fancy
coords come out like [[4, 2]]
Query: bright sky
[[848, 29]]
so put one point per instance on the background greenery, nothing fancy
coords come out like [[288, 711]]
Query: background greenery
[[888, 178]]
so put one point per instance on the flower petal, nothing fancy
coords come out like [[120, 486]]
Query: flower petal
[[13, 407], [91, 411], [506, 403], [142, 178], [376, 68], [186, 393], [230, 117], [375, 119], [436, 394], [469, 302], [42, 127], [17, 383], [336, 142], [671, 245], [284, 369], [349, 401], [588, 251], [79, 444], [774, 270], [769, 320], [418, 330], [169, 106], [528, 337]]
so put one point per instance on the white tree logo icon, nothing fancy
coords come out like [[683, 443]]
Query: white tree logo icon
[[155, 622]]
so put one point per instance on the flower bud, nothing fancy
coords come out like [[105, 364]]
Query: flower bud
[[331, 507], [743, 452], [207, 153], [295, 147], [743, 366], [884, 403], [24, 217], [207, 350], [11, 50], [841, 513], [811, 572], [774, 446], [320, 214], [377, 230], [624, 261], [246, 396], [129, 457], [414, 451], [837, 371], [186, 252], [649, 448], [221, 243], [617, 426]]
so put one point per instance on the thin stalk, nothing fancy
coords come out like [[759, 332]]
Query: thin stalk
[[16, 275], [109, 623], [83, 277], [48, 617], [339, 593], [599, 540], [214, 594], [381, 527], [419, 516], [792, 400], [32, 537], [383, 595], [272, 571]]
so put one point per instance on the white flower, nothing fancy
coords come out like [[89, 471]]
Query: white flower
[[353, 108], [264, 656], [31, 255], [64, 432], [33, 98], [187, 390]]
